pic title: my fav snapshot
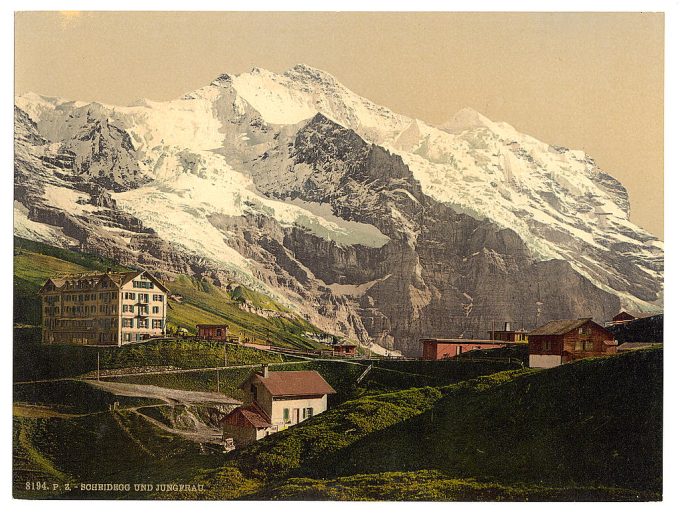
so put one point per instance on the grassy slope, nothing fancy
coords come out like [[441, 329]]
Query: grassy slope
[[35, 362], [588, 430], [202, 301], [593, 422], [429, 485], [210, 304], [142, 452]]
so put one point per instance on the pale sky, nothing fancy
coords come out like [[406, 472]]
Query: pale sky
[[590, 81]]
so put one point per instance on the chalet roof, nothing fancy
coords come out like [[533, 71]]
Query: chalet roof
[[247, 415], [223, 325], [118, 278], [294, 383], [559, 327], [638, 315], [637, 345]]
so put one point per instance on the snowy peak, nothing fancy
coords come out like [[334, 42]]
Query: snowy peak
[[213, 139], [466, 118], [223, 79], [305, 73]]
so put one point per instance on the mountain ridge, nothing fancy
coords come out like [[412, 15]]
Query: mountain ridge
[[262, 190]]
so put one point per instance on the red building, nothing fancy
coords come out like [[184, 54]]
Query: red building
[[218, 332], [345, 349], [437, 349], [559, 342]]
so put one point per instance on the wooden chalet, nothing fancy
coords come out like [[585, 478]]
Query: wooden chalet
[[217, 332], [562, 341], [626, 316], [344, 349]]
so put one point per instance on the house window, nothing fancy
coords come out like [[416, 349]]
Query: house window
[[286, 415], [126, 337], [307, 412], [588, 345], [157, 323], [130, 295], [546, 345], [143, 323], [158, 297], [143, 298], [155, 309]]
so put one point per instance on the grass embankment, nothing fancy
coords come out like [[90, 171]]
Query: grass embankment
[[36, 362], [108, 447], [340, 375], [431, 485], [202, 302], [590, 430], [593, 422]]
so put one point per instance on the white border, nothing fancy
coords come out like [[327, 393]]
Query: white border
[[671, 457]]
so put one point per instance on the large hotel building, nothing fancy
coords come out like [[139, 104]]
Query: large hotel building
[[111, 308]]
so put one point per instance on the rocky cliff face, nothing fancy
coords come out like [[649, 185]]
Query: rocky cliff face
[[371, 225]]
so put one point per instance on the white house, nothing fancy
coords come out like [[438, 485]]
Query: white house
[[276, 400]]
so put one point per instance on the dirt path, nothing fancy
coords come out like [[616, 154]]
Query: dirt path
[[171, 396], [203, 434], [113, 373]]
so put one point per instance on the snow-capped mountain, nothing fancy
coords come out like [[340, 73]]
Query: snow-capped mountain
[[372, 224]]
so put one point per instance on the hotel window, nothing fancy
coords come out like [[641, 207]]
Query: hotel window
[[126, 337], [130, 295], [127, 323], [143, 298], [156, 309], [143, 323], [157, 324]]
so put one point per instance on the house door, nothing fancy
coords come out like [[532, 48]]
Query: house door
[[296, 416]]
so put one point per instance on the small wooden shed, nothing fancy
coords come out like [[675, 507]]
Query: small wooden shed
[[218, 332]]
